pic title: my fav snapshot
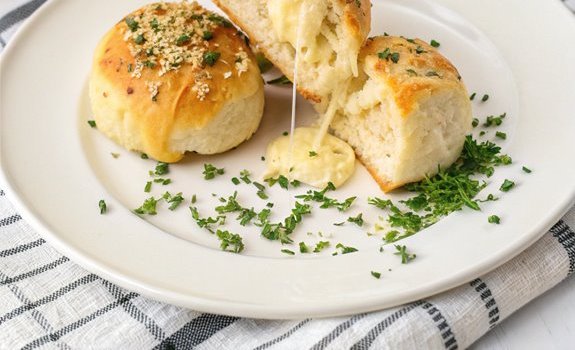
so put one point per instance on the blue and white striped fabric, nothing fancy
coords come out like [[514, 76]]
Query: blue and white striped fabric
[[46, 301]]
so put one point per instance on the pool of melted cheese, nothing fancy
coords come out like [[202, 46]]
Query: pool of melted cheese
[[333, 161]]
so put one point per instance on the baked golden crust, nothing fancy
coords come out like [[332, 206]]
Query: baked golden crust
[[407, 113], [419, 71], [155, 103]]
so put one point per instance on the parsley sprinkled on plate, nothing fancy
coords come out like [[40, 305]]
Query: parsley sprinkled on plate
[[103, 207], [406, 257], [485, 98], [358, 220], [148, 207], [494, 219], [211, 171], [344, 249], [288, 252], [230, 242], [434, 43], [507, 185], [92, 123], [321, 245], [527, 170], [376, 274]]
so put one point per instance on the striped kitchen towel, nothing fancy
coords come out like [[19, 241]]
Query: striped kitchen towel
[[46, 301]]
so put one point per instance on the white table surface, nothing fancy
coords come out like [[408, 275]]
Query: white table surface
[[548, 323]]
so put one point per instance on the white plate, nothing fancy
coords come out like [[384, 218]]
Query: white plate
[[56, 169]]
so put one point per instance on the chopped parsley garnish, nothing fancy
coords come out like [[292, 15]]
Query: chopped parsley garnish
[[282, 80], [144, 156], [507, 185], [472, 97], [261, 190], [321, 245], [432, 73], [281, 231], [246, 216], [148, 187], [303, 248], [388, 55], [132, 24], [194, 199], [206, 222], [184, 39], [326, 202], [211, 57], [312, 153], [162, 169], [92, 123], [527, 170], [434, 43], [235, 181], [230, 242], [419, 50], [494, 121], [207, 35], [163, 181], [448, 191], [103, 207], [245, 176], [475, 122], [376, 274], [139, 39], [501, 135], [406, 257], [358, 220], [494, 219], [211, 171], [148, 207], [283, 182], [231, 205], [174, 201], [288, 252], [485, 98], [285, 133], [115, 155], [411, 72], [345, 249]]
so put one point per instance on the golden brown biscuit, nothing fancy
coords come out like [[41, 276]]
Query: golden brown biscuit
[[408, 112], [174, 77]]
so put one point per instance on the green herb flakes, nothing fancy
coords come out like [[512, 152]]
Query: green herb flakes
[[103, 207], [92, 123], [321, 245], [501, 135], [345, 249], [527, 170], [211, 57], [376, 274], [162, 169], [507, 185], [494, 219], [358, 220], [230, 242], [303, 248], [148, 207], [148, 187], [434, 43], [288, 252], [210, 171], [406, 257], [485, 98]]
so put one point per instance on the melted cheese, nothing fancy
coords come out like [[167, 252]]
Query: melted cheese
[[334, 162], [286, 15]]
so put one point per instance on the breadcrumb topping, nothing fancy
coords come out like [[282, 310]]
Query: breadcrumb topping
[[164, 37]]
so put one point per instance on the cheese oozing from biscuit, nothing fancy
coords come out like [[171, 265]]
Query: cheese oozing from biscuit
[[295, 158]]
